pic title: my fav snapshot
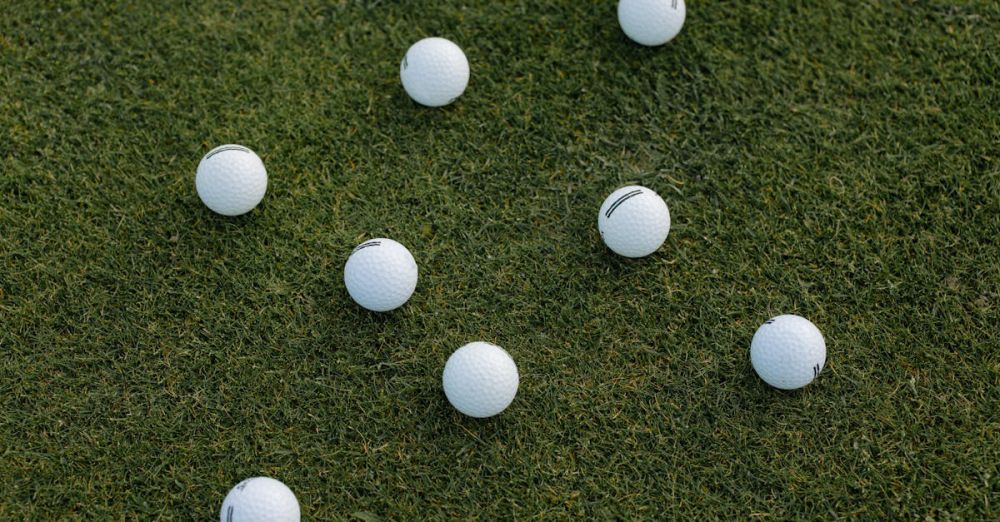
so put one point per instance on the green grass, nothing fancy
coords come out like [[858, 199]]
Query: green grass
[[835, 161]]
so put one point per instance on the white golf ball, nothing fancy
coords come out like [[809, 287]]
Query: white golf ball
[[651, 22], [380, 275], [634, 221], [434, 72], [480, 379], [231, 180], [788, 352], [260, 499]]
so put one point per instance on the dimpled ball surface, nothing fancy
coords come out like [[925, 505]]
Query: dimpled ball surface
[[634, 221], [480, 379], [231, 180], [651, 22], [380, 275], [788, 352], [260, 499], [434, 72]]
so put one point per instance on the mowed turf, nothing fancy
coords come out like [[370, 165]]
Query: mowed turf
[[835, 161]]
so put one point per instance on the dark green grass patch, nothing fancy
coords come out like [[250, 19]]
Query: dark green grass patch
[[835, 161]]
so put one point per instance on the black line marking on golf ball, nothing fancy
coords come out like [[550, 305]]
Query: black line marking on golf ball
[[229, 514], [816, 369], [224, 149], [769, 321], [406, 63], [673, 5], [368, 244], [618, 202]]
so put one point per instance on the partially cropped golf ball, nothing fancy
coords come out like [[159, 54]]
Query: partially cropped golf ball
[[260, 499], [480, 379], [380, 275], [634, 221], [651, 22], [788, 352], [434, 72], [231, 180]]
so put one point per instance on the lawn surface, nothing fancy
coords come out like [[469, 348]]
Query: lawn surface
[[834, 160]]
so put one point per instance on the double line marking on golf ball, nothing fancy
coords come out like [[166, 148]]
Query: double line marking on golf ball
[[224, 149], [366, 245], [618, 202]]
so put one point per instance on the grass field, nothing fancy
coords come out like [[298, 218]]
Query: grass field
[[836, 161]]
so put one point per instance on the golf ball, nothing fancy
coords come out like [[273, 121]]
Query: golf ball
[[260, 499], [651, 22], [231, 180], [380, 275], [788, 352], [434, 72], [480, 379], [634, 221]]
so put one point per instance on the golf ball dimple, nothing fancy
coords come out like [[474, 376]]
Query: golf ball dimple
[[260, 499], [231, 180], [480, 379], [380, 275], [651, 22], [434, 72], [788, 352], [634, 221]]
